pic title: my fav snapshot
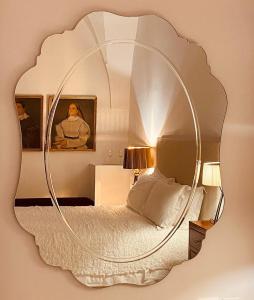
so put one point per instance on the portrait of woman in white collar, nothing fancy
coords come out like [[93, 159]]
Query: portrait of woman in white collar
[[29, 111], [73, 132]]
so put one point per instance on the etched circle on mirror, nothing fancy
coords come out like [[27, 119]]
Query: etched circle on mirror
[[127, 102]]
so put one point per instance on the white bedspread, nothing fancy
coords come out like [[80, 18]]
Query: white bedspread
[[115, 231]]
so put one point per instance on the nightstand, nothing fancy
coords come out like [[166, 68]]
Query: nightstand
[[197, 232]]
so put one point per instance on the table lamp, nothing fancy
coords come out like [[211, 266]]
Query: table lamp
[[211, 177], [138, 158]]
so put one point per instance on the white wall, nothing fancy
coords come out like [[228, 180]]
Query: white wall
[[158, 100], [71, 172], [225, 267]]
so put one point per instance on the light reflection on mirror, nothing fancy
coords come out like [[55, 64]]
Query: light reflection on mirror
[[121, 96]]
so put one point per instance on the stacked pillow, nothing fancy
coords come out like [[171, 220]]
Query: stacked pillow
[[155, 176], [140, 191], [194, 210], [138, 195], [161, 200], [162, 204]]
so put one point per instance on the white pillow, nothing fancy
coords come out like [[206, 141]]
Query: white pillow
[[162, 205], [138, 195], [194, 210], [157, 176]]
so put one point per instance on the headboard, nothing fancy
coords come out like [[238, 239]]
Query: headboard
[[176, 158]]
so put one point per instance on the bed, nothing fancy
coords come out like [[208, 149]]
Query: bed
[[121, 230], [115, 231]]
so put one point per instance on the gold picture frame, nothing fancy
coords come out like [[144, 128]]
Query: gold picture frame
[[78, 132], [30, 114]]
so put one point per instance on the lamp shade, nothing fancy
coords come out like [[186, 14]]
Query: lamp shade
[[211, 174], [138, 158]]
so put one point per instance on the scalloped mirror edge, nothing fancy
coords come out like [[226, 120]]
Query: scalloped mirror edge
[[166, 144]]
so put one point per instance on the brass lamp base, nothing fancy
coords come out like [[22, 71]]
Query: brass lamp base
[[212, 221], [136, 174]]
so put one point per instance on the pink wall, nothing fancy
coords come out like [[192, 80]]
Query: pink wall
[[225, 268]]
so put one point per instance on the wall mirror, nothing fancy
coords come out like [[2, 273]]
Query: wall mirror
[[121, 123]]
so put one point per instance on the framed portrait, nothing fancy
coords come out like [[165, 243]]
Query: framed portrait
[[74, 123], [30, 111]]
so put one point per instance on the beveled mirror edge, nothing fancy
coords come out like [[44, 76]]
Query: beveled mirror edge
[[179, 35]]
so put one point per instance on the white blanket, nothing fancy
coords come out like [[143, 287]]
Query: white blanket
[[114, 231]]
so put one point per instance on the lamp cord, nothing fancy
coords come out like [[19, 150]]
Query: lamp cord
[[219, 206]]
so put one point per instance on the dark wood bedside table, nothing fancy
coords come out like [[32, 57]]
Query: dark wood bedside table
[[197, 232]]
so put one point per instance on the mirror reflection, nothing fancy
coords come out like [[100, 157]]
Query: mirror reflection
[[122, 149]]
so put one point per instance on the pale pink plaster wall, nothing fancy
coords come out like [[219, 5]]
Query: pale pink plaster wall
[[225, 268]]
